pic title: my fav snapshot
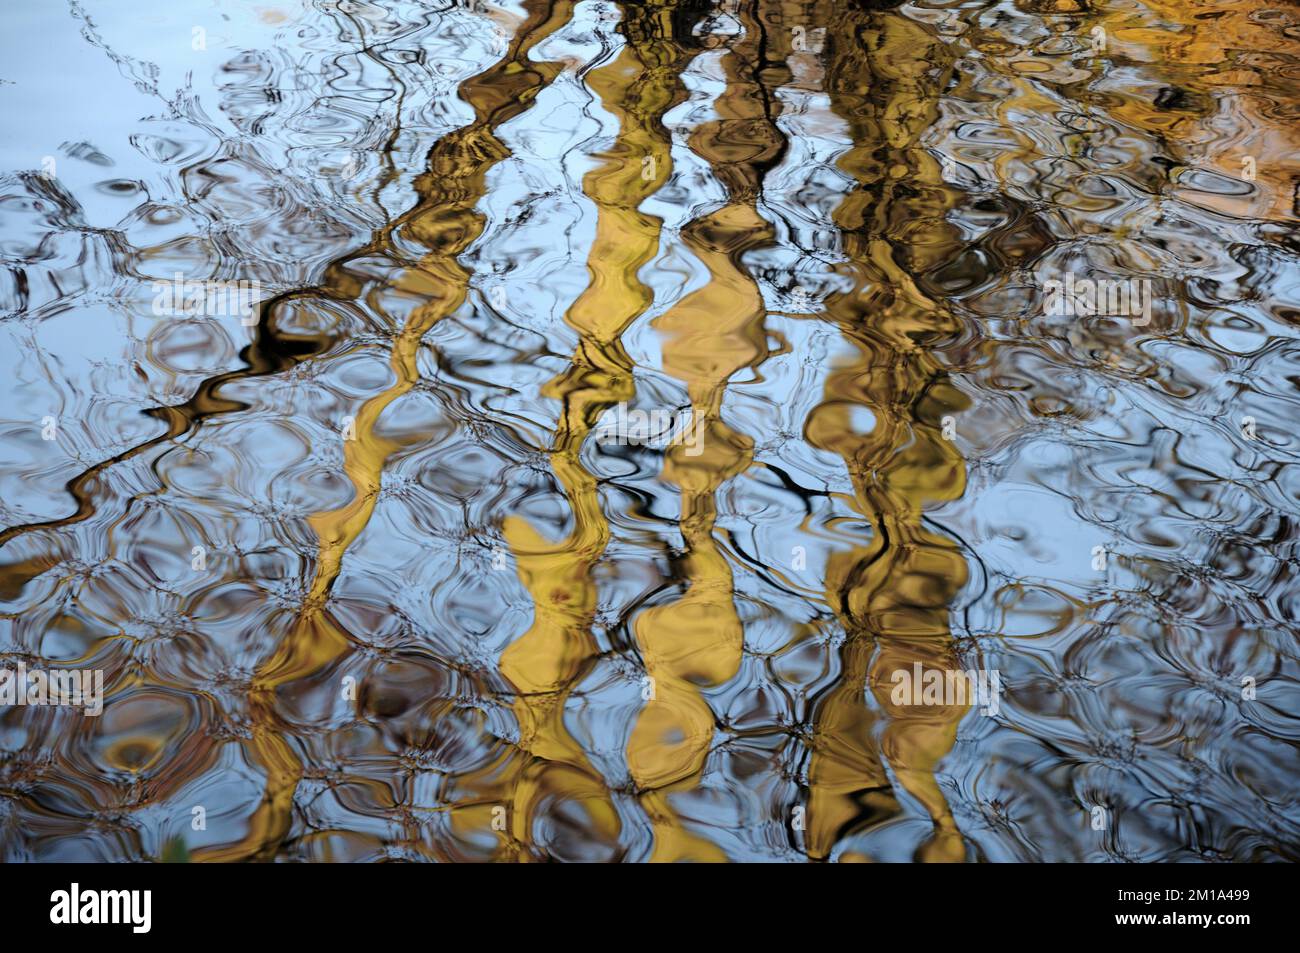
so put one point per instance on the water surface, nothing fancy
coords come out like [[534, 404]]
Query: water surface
[[367, 577]]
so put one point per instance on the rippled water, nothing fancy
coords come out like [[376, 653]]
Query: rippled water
[[367, 577]]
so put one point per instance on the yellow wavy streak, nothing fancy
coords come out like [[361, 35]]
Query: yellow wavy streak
[[446, 221], [893, 594], [708, 336], [547, 661]]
